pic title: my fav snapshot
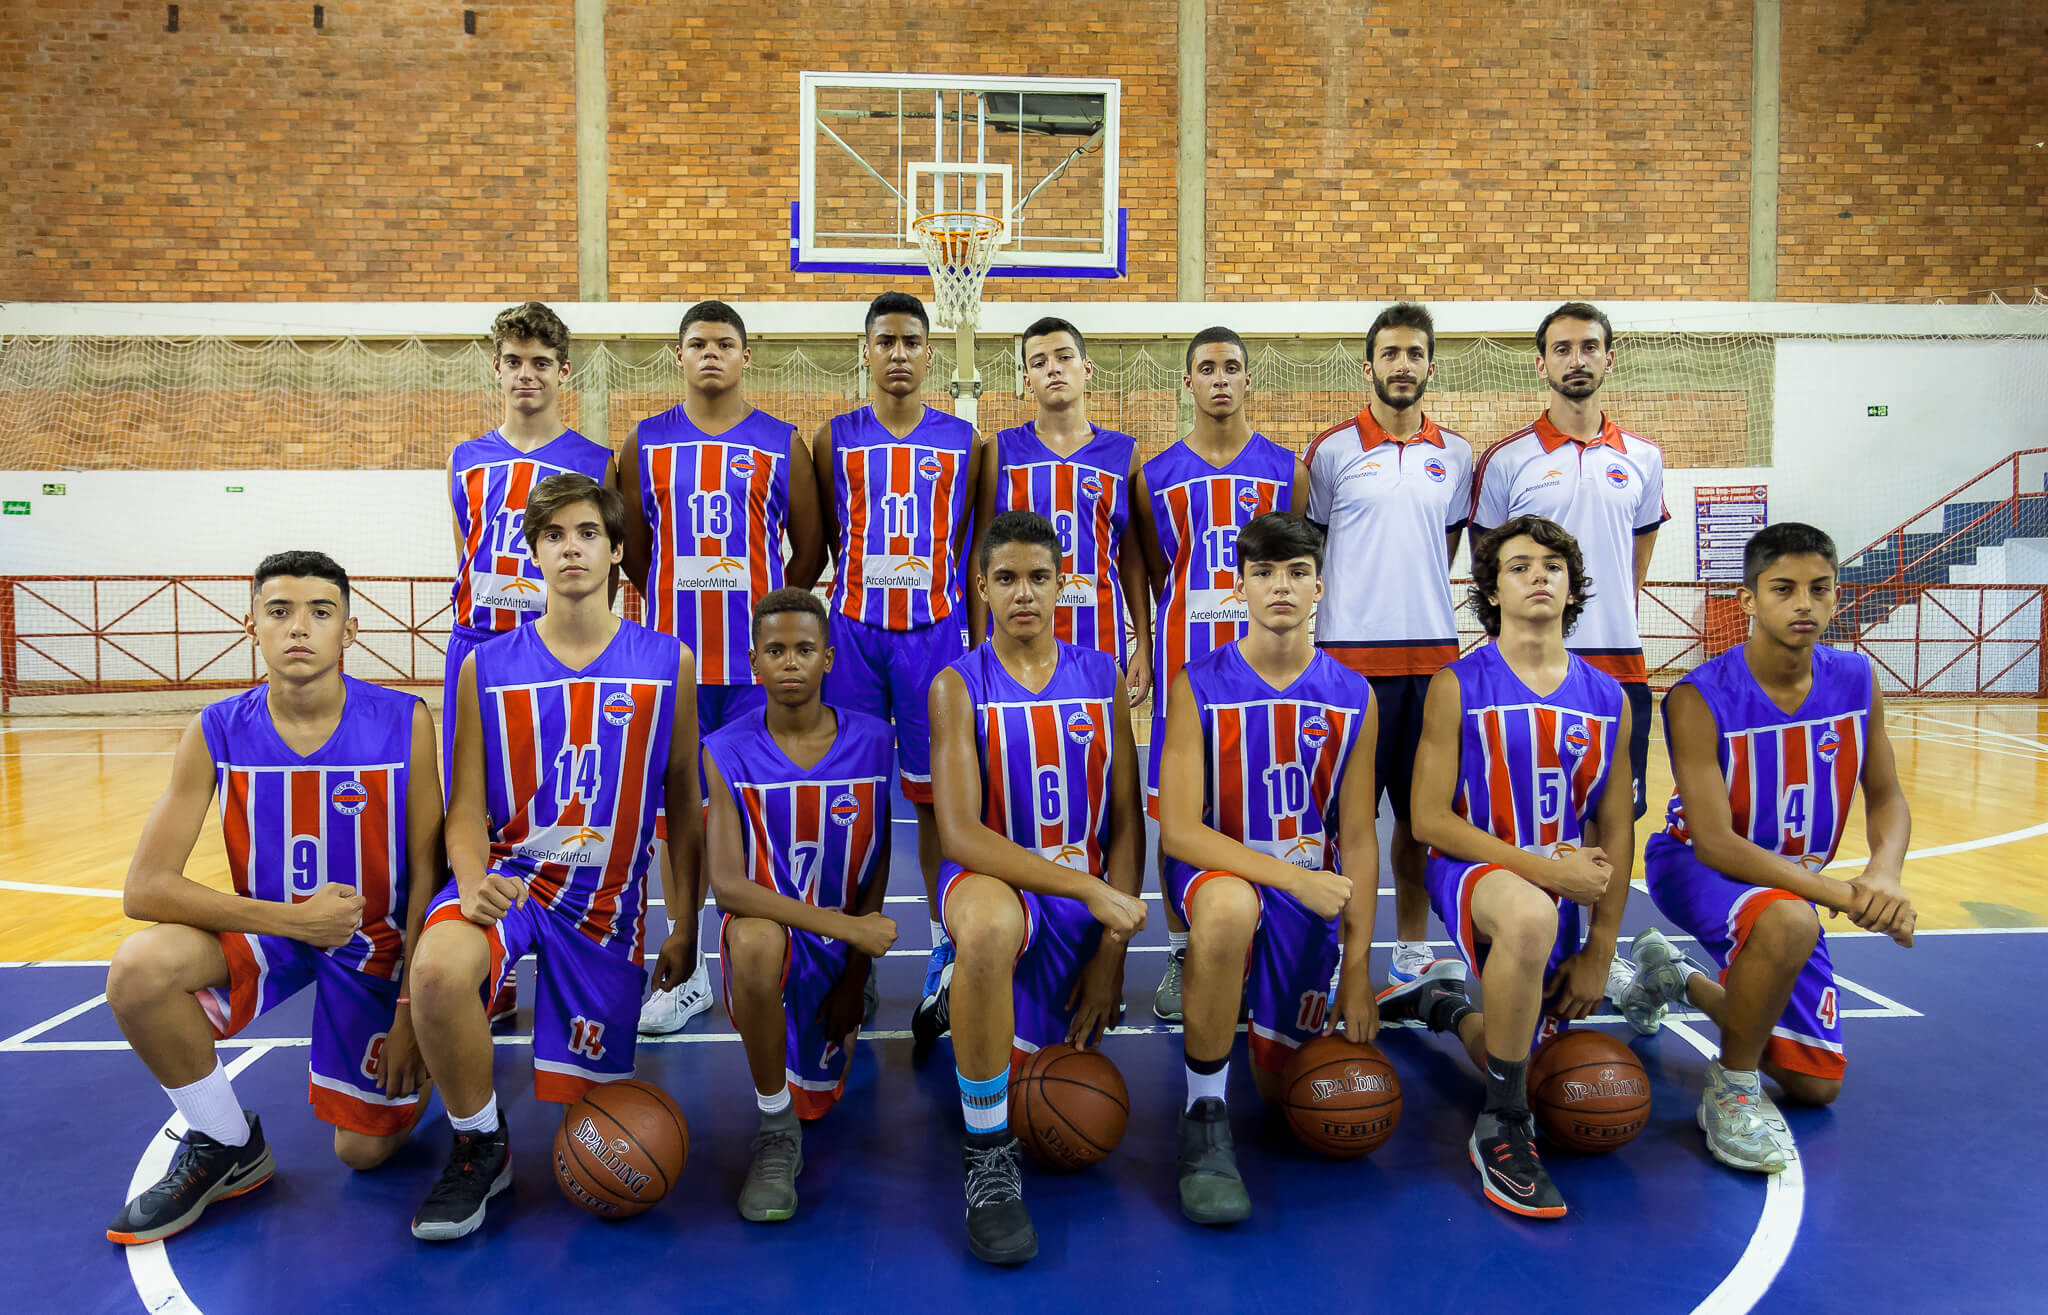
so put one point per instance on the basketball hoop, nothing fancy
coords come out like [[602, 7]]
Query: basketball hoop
[[959, 246]]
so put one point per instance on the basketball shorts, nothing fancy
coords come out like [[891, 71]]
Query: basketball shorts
[[1153, 749], [1719, 913], [815, 1063], [462, 641], [1399, 700], [718, 706], [1287, 971], [1060, 937], [586, 1005], [888, 674], [1451, 883], [352, 1015]]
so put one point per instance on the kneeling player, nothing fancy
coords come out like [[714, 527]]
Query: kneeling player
[[1269, 750], [330, 807], [798, 849], [1036, 781], [569, 733], [1767, 744], [1511, 795]]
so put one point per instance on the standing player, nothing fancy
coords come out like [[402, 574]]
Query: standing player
[[1077, 475], [1390, 486], [497, 585], [1767, 744], [330, 806], [1512, 797], [1037, 788], [798, 848], [1191, 500], [1603, 484], [1268, 761], [710, 499], [569, 733], [894, 481]]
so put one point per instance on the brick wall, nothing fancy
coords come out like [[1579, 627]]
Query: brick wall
[[248, 156], [1912, 164]]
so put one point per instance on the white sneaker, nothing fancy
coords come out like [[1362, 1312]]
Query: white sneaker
[[1409, 961], [1731, 1116], [668, 1011], [1661, 973], [1621, 974]]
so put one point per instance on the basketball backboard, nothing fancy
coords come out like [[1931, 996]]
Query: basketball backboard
[[880, 149]]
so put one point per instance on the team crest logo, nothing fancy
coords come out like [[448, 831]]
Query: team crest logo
[[1617, 477], [1434, 468], [845, 809], [1314, 732], [1828, 745], [931, 467], [618, 708], [1249, 501], [742, 464], [1080, 727], [1576, 741], [1091, 485], [349, 798]]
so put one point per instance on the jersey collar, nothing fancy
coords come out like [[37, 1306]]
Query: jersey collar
[[1372, 435], [1553, 438]]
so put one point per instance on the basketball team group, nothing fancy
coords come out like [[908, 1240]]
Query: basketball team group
[[997, 609]]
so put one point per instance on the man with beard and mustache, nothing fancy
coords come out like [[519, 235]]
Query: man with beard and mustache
[[1602, 483], [1391, 488]]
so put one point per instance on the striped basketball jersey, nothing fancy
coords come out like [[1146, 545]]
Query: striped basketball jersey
[[900, 502], [1088, 500], [1273, 759], [1046, 757], [1197, 510], [574, 772], [497, 585], [294, 823], [716, 505], [1791, 775], [1532, 770], [818, 834]]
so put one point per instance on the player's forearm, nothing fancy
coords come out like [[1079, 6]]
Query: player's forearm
[[1442, 829], [1740, 860], [1209, 850], [979, 849], [1888, 824], [423, 880], [750, 899], [175, 898]]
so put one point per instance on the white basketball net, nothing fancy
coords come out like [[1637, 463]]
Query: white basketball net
[[959, 247]]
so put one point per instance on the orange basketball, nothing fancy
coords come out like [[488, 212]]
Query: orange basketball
[[1588, 1090], [621, 1148], [1069, 1107], [1341, 1098]]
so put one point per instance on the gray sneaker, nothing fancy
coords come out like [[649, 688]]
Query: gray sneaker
[[1166, 1000], [1661, 973], [1732, 1117], [769, 1194], [1211, 1190]]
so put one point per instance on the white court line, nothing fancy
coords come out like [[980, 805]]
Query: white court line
[[1923, 737], [1981, 730], [57, 1020], [149, 1264], [139, 753], [1777, 1227], [38, 888], [1896, 1010]]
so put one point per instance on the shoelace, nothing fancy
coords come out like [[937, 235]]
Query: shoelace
[[1744, 1110], [464, 1168], [1519, 1141], [993, 1176], [774, 1152], [1171, 980], [186, 1166]]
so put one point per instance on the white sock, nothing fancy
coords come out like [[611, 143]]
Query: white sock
[[484, 1120], [209, 1105], [700, 966], [1206, 1084], [939, 936], [1176, 941], [774, 1104], [1411, 950]]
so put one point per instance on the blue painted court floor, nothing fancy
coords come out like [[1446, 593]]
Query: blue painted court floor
[[1915, 1192]]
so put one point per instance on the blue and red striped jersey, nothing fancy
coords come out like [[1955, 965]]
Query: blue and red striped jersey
[[1087, 498], [900, 504], [497, 584]]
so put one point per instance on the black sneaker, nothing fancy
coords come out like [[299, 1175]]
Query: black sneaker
[[932, 1018], [998, 1226], [1424, 999], [1211, 1191], [1503, 1150], [870, 1001], [479, 1167], [202, 1171]]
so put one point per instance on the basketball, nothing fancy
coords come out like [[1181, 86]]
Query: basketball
[[1069, 1107], [1589, 1091], [621, 1148], [1341, 1098]]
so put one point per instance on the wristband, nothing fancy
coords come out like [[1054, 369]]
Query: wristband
[[405, 999]]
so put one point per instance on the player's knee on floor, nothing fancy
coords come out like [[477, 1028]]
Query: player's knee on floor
[[158, 962], [362, 1152], [985, 919], [1268, 1084], [755, 949], [1225, 913], [1805, 1088]]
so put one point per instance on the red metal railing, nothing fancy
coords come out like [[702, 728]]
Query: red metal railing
[[2007, 506]]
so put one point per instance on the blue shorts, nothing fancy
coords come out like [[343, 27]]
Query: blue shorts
[[888, 674], [815, 1063], [352, 1015], [719, 706], [1719, 913], [586, 1007], [1060, 937], [1152, 751], [462, 641], [1286, 972], [1451, 881]]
